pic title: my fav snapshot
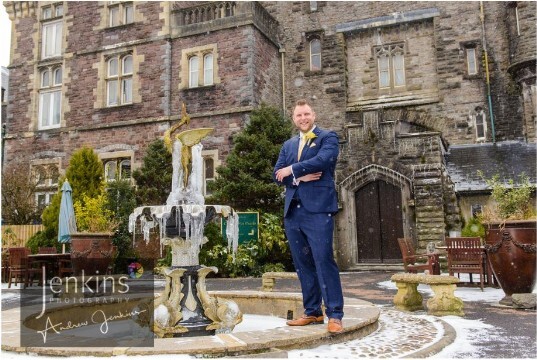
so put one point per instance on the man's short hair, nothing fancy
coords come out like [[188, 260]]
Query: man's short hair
[[302, 102]]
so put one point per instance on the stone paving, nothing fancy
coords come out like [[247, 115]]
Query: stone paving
[[499, 332], [399, 335]]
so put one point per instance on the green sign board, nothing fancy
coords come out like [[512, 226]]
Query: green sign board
[[248, 226]]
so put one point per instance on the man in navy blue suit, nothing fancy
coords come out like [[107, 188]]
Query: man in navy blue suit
[[306, 167]]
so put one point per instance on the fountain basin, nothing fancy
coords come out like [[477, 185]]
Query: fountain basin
[[360, 320]]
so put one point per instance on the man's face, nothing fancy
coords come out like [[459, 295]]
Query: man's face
[[303, 117]]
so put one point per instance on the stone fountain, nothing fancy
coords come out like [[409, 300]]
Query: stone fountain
[[185, 308]]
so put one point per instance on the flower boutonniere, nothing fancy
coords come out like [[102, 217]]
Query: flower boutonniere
[[309, 138]]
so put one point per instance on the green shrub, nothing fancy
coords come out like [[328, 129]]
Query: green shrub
[[92, 215], [513, 201], [85, 174], [473, 228], [40, 239], [245, 180], [122, 201]]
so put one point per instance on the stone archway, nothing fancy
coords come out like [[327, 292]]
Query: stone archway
[[376, 209]]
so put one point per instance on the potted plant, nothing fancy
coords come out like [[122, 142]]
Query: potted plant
[[510, 230], [92, 249]]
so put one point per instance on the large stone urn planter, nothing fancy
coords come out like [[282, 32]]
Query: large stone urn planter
[[511, 249], [92, 252]]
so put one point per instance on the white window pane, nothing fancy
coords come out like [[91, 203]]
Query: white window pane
[[112, 92], [126, 89], [399, 67], [208, 69], [56, 108], [58, 76], [45, 79], [193, 67], [59, 10], [129, 14], [112, 67], [384, 74], [114, 16], [44, 110], [47, 40], [127, 65], [315, 62], [58, 39]]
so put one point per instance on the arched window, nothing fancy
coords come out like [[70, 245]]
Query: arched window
[[391, 65], [117, 168], [193, 68], [480, 125], [119, 80], [208, 69], [57, 76], [110, 168]]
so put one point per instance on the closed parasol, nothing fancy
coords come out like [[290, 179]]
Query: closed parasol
[[67, 221]]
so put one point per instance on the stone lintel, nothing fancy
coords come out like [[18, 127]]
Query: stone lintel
[[388, 20]]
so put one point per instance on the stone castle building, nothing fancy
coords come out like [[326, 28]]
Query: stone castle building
[[421, 94]]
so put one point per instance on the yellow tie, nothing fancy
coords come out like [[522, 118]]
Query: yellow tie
[[301, 146]]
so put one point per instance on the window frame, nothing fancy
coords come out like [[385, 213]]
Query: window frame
[[120, 77], [482, 126], [198, 73], [122, 8], [316, 55], [187, 72], [193, 71], [471, 52], [117, 158], [212, 155], [49, 87], [48, 198], [57, 39], [388, 71], [208, 69]]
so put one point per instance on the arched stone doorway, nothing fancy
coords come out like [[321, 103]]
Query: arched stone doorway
[[377, 208]]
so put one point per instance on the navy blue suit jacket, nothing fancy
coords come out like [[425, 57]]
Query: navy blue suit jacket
[[318, 155]]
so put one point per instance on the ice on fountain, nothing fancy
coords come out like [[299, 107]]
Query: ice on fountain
[[188, 205], [193, 193]]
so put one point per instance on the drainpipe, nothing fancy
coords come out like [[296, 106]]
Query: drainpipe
[[282, 52], [491, 113], [4, 134]]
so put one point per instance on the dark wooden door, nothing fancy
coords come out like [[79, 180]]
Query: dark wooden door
[[379, 222]]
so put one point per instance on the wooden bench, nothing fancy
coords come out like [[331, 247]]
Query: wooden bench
[[444, 301], [269, 279]]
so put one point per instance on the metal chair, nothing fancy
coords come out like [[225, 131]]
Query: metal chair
[[466, 255], [415, 263]]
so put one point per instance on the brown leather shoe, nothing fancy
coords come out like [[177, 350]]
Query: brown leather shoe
[[335, 326], [306, 320]]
